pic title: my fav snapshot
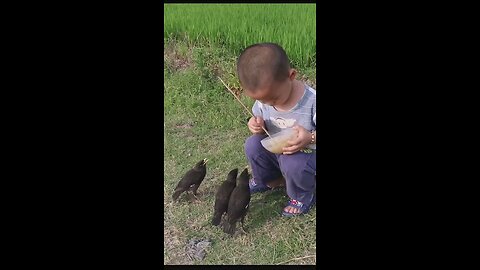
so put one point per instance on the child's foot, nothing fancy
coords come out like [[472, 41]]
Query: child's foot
[[260, 187], [257, 187], [296, 208]]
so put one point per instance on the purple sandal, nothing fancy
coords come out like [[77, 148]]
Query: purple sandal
[[298, 205], [257, 187]]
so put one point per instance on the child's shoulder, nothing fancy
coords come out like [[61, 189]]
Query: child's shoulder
[[310, 91], [310, 88]]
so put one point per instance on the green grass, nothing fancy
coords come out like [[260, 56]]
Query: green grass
[[203, 120], [235, 26]]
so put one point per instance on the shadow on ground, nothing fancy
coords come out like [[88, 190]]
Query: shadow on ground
[[264, 207]]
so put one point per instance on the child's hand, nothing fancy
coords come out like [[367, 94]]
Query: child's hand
[[255, 125], [303, 139]]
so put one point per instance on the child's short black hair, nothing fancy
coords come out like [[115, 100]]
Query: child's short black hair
[[261, 62]]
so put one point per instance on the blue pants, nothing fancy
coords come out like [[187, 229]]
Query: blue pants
[[298, 169]]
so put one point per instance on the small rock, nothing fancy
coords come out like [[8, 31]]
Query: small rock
[[195, 248]]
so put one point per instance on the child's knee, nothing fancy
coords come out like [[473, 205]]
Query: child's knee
[[295, 166]]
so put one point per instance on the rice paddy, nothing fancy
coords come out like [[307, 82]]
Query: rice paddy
[[236, 26]]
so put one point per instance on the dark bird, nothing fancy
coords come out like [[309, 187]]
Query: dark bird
[[192, 179], [223, 195], [238, 203]]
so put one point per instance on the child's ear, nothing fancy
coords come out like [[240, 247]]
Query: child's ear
[[292, 74]]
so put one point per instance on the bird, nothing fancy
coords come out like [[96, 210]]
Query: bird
[[223, 195], [238, 204], [192, 179]]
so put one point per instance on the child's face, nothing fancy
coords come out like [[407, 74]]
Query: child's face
[[273, 93]]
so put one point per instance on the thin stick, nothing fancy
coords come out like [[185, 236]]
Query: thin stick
[[242, 104], [294, 259]]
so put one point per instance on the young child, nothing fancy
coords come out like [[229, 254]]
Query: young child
[[281, 101]]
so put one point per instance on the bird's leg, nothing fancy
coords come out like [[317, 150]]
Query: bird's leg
[[192, 197], [194, 189], [188, 195], [243, 230], [194, 192], [197, 200], [242, 223]]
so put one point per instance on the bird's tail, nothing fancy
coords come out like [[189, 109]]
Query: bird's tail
[[229, 228], [216, 219], [176, 194]]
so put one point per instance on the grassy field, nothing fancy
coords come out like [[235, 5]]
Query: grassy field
[[203, 120], [293, 26]]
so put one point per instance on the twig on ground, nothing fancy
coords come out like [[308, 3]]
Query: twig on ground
[[294, 259]]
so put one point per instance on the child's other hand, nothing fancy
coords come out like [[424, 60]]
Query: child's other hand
[[303, 139], [255, 125]]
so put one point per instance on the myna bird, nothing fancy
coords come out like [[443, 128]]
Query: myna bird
[[192, 179], [238, 203], [223, 195]]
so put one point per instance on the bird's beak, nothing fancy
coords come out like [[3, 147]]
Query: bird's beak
[[205, 161]]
